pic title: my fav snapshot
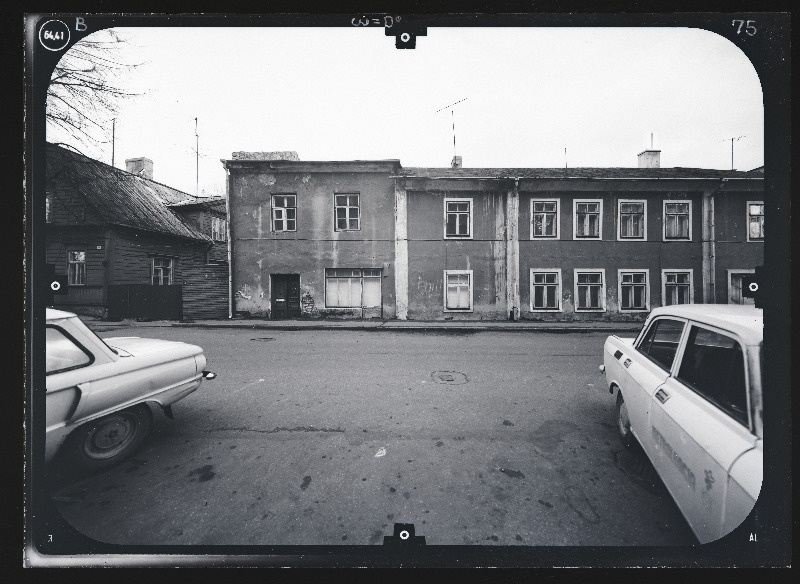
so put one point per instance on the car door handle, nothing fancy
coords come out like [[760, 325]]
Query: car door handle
[[662, 396]]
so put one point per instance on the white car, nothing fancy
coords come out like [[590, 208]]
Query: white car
[[98, 391], [689, 391]]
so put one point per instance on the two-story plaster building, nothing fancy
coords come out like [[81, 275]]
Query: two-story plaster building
[[374, 239]]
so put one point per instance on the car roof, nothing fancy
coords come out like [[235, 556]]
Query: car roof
[[53, 314], [743, 320]]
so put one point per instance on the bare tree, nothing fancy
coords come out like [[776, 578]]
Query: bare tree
[[86, 86]]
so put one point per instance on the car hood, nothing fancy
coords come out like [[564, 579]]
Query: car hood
[[137, 346]]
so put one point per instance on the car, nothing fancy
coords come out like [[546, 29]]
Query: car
[[99, 391], [689, 392]]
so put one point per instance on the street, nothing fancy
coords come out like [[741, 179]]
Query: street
[[331, 437]]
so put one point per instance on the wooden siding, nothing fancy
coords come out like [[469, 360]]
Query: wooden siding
[[205, 294], [62, 240]]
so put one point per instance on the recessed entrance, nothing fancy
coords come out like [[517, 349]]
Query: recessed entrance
[[285, 296]]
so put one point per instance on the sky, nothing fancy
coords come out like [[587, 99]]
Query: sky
[[349, 94]]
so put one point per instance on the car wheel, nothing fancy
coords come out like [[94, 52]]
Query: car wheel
[[624, 422], [104, 442]]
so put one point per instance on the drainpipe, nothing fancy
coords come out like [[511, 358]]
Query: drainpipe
[[709, 245], [400, 249], [512, 251], [228, 227]]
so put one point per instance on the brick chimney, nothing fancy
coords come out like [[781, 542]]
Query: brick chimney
[[140, 166], [650, 159], [456, 162]]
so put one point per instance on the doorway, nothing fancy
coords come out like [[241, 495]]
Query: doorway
[[285, 296]]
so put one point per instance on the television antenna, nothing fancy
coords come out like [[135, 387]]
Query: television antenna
[[453, 118], [732, 141]]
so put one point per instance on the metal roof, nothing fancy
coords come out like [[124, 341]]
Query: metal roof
[[743, 320], [576, 173], [122, 198]]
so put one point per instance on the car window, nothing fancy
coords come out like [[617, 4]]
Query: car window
[[660, 342], [713, 366], [63, 352]]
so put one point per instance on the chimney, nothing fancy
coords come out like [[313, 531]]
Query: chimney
[[140, 166], [456, 162], [650, 159]]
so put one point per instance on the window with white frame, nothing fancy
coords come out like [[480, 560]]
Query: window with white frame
[[677, 220], [632, 224], [218, 229], [545, 289], [76, 268], [458, 290], [458, 218], [676, 287], [544, 218], [735, 287], [353, 287], [163, 268], [590, 290], [634, 290], [587, 219], [755, 220], [347, 212], [284, 213]]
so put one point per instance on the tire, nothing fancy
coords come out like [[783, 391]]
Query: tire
[[107, 441], [624, 422]]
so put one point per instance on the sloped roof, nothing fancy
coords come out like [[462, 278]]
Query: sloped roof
[[577, 173], [122, 198]]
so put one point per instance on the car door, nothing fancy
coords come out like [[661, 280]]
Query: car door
[[647, 368], [699, 426]]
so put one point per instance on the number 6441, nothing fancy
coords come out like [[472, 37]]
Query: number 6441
[[748, 25]]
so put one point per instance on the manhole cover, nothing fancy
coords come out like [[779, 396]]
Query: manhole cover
[[263, 339], [449, 377]]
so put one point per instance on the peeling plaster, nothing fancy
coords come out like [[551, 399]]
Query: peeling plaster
[[266, 179]]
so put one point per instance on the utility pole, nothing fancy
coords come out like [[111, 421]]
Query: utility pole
[[732, 141], [453, 118]]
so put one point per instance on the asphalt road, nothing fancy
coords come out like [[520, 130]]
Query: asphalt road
[[330, 437]]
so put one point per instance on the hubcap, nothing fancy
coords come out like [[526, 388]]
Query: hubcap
[[111, 436]]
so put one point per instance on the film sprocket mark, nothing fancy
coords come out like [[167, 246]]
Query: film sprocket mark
[[404, 534], [751, 286]]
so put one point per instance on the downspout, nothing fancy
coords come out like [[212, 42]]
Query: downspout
[[512, 251], [228, 228], [709, 245]]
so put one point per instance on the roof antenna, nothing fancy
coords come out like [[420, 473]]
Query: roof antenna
[[732, 141], [565, 158], [453, 117]]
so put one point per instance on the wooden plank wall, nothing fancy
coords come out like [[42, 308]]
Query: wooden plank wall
[[205, 293]]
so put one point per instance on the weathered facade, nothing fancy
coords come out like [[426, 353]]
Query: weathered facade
[[129, 246], [485, 243]]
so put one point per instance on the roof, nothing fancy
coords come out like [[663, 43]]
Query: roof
[[743, 320], [53, 314], [122, 198], [204, 202], [575, 173]]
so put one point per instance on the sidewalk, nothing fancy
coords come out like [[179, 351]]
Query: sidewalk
[[375, 325]]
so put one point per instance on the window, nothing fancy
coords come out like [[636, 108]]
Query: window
[[713, 366], [677, 220], [634, 290], [162, 271], [218, 229], [347, 212], [48, 216], [76, 268], [544, 218], [735, 287], [588, 215], [284, 212], [632, 220], [458, 290], [755, 221], [458, 218], [676, 287], [353, 287], [590, 290], [545, 289], [660, 342], [63, 353]]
